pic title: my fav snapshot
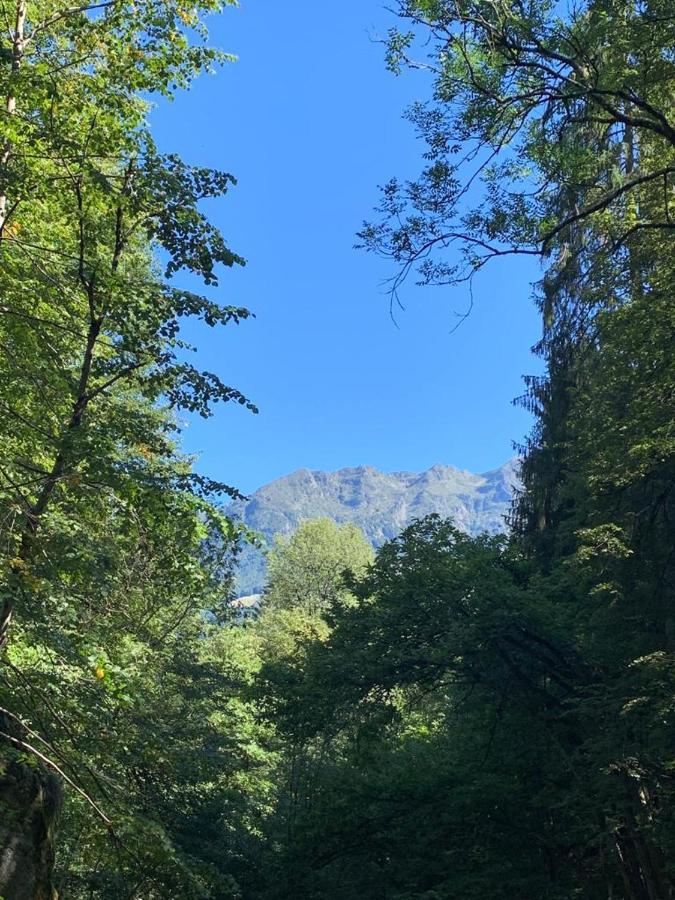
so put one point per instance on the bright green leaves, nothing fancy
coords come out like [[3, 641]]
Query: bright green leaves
[[112, 547], [308, 570]]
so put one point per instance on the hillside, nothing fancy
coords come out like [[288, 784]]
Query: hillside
[[381, 503]]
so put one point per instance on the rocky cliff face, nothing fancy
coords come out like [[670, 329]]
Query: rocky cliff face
[[381, 503]]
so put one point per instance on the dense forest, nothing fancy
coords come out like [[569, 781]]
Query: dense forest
[[453, 717]]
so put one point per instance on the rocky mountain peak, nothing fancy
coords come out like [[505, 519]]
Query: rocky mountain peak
[[381, 503]]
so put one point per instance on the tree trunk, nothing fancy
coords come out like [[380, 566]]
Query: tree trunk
[[18, 43], [641, 870], [30, 801]]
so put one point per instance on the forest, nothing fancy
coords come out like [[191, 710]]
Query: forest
[[449, 717]]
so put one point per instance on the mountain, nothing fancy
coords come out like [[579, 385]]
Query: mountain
[[381, 503]]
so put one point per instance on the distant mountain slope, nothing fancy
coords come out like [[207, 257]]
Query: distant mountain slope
[[380, 503]]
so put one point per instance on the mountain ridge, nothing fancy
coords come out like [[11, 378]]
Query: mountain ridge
[[381, 503]]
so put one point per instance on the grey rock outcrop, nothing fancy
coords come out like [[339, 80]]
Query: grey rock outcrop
[[381, 503]]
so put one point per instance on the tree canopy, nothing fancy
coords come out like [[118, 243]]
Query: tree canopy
[[450, 716]]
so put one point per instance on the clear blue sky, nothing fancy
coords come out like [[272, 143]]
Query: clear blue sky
[[309, 121]]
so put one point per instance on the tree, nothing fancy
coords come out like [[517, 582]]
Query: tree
[[103, 522], [307, 571], [550, 133], [541, 127], [430, 713]]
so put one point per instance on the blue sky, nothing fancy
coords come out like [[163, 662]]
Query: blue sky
[[310, 122]]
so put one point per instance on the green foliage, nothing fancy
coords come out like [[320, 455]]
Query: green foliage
[[111, 547], [307, 571], [531, 134], [486, 717], [494, 718]]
